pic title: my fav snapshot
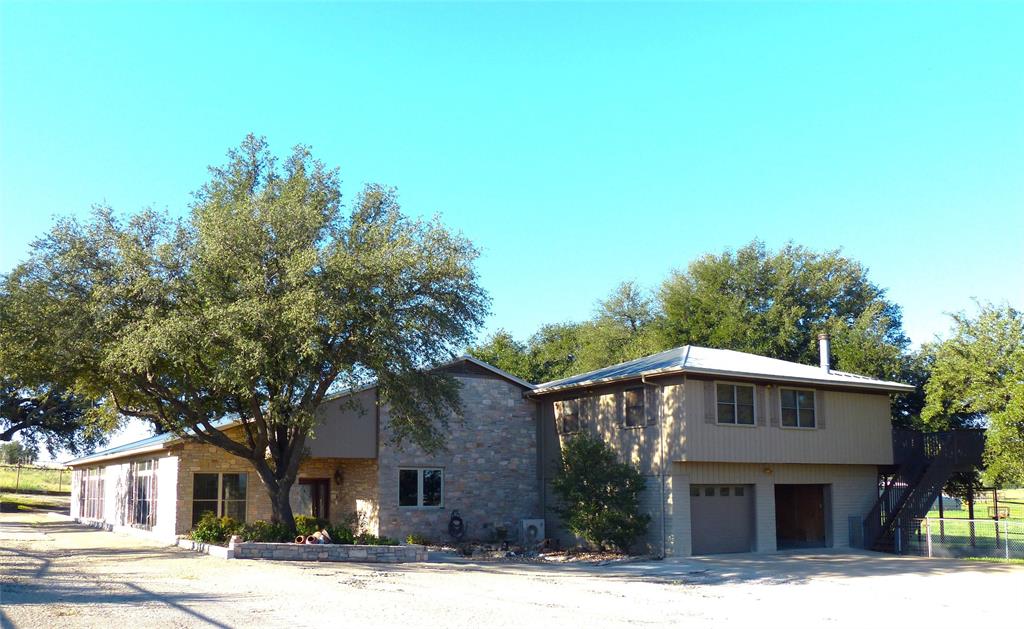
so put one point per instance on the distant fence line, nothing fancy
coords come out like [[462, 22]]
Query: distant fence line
[[959, 537], [34, 478]]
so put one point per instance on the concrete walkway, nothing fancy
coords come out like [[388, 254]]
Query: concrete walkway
[[57, 574]]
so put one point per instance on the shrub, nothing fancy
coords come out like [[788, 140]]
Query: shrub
[[307, 524], [261, 531], [599, 495], [213, 530], [341, 534], [413, 538], [372, 540]]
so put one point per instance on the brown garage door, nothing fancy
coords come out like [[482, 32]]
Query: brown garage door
[[800, 512], [722, 518]]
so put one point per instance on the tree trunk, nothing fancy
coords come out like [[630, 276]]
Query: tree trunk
[[279, 490]]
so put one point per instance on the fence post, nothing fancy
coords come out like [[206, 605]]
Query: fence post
[[17, 480], [1006, 536], [928, 534], [60, 480], [899, 538]]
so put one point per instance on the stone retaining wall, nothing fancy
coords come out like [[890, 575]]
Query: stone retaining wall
[[330, 552]]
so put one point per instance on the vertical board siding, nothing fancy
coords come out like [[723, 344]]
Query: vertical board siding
[[854, 428]]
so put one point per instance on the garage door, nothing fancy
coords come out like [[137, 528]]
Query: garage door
[[722, 518]]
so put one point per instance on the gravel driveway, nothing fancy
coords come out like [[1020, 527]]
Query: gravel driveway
[[57, 574]]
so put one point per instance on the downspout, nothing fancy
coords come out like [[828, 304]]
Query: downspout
[[661, 461]]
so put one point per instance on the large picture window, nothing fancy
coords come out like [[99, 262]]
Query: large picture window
[[220, 494], [142, 494], [90, 493], [421, 487], [797, 408], [735, 404]]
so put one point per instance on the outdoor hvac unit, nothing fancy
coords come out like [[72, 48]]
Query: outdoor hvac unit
[[533, 531]]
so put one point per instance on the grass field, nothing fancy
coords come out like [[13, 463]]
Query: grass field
[[10, 502], [34, 479], [1010, 499]]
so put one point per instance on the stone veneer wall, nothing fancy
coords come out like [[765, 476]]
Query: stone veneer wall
[[355, 495], [490, 467], [330, 552]]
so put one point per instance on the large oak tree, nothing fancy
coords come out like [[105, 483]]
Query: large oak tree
[[264, 299]]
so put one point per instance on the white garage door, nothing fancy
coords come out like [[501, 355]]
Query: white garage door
[[722, 518]]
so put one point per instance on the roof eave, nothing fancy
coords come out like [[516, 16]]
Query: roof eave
[[893, 387], [118, 455]]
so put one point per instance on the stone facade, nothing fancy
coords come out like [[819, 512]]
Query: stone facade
[[489, 466], [331, 552], [489, 470]]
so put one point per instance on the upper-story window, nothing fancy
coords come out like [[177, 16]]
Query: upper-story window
[[633, 408], [797, 408], [735, 404], [567, 416]]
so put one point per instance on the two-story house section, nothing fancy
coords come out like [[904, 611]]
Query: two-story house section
[[740, 452]]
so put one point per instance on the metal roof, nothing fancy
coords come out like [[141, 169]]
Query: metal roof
[[720, 362], [157, 442]]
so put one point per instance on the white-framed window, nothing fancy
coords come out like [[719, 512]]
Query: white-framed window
[[90, 493], [142, 494], [567, 416], [421, 487], [797, 408], [633, 411], [735, 404], [220, 494]]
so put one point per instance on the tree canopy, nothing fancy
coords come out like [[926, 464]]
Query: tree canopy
[[265, 298], [751, 300], [977, 379]]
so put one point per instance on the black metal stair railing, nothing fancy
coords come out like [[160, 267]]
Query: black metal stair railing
[[926, 461]]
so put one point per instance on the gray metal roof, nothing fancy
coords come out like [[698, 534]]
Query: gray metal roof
[[720, 362]]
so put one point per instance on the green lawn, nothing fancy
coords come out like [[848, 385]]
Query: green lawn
[[34, 479], [11, 502]]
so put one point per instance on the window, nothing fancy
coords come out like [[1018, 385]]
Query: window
[[142, 494], [724, 491], [633, 408], [797, 408], [694, 490], [567, 416], [420, 487], [90, 493], [735, 404], [709, 491], [738, 492], [219, 494]]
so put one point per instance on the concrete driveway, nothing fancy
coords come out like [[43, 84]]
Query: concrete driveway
[[56, 574]]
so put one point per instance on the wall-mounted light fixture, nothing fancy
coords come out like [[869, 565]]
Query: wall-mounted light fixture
[[339, 476]]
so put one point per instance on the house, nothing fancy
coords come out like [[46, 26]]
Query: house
[[488, 471], [740, 453]]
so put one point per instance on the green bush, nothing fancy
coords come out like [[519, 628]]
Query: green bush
[[413, 538], [261, 531], [341, 534], [599, 495], [367, 539], [307, 524], [213, 530]]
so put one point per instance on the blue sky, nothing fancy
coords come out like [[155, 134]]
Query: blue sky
[[578, 145]]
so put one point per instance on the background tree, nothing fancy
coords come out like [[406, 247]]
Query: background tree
[[775, 304], [977, 380], [267, 297], [599, 496], [14, 452]]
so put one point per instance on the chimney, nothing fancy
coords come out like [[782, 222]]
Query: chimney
[[823, 350]]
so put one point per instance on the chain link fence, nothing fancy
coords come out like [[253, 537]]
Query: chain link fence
[[35, 479], [956, 537]]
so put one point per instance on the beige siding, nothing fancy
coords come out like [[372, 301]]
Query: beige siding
[[347, 428], [853, 492], [854, 428]]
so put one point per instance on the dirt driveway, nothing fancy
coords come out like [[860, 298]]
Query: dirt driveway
[[56, 574]]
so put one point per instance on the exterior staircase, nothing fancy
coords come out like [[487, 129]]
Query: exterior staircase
[[923, 464]]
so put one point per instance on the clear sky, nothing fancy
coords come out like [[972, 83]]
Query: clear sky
[[578, 145]]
